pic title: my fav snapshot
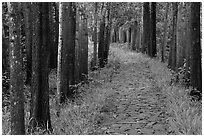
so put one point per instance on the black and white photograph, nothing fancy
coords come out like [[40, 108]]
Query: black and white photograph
[[101, 68]]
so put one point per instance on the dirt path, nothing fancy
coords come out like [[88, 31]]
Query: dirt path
[[135, 105]]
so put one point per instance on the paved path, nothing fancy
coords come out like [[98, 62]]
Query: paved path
[[136, 105]]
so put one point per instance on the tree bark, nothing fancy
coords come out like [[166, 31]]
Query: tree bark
[[16, 72], [53, 35], [68, 49], [173, 48], [101, 43], [28, 41], [153, 30], [196, 71], [40, 112], [107, 36], [95, 36], [84, 48], [163, 49], [146, 28], [59, 61], [134, 35]]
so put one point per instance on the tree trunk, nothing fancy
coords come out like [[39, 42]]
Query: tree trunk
[[68, 49], [173, 48], [59, 61], [77, 48], [107, 36], [16, 72], [101, 43], [188, 39], [40, 113], [95, 37], [196, 71], [181, 39], [146, 28], [28, 41], [53, 35], [134, 35], [70, 20], [84, 48], [163, 49], [153, 30], [56, 34]]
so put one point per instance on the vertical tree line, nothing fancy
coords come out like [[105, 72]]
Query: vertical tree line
[[42, 37]]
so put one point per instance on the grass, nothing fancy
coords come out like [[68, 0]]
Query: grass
[[186, 115]]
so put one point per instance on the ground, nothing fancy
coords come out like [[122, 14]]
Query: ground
[[135, 105]]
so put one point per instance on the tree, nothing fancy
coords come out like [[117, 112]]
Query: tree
[[196, 71], [173, 49], [134, 29], [59, 61], [69, 37], [68, 49], [40, 113], [101, 41], [53, 22], [95, 37], [181, 37], [83, 31], [16, 72], [107, 33], [146, 28], [28, 40], [163, 48], [77, 46], [153, 51]]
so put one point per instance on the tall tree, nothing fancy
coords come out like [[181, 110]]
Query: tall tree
[[181, 37], [53, 11], [173, 49], [68, 49], [95, 36], [28, 41], [196, 71], [101, 40], [16, 72], [59, 61], [69, 37], [146, 28], [84, 46], [153, 51], [107, 33], [77, 46], [40, 112], [163, 48]]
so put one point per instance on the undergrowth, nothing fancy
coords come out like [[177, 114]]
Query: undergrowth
[[185, 114]]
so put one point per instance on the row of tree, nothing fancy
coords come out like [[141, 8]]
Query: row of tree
[[170, 31], [47, 36], [43, 36]]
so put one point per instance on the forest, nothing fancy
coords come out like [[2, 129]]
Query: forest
[[101, 68]]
